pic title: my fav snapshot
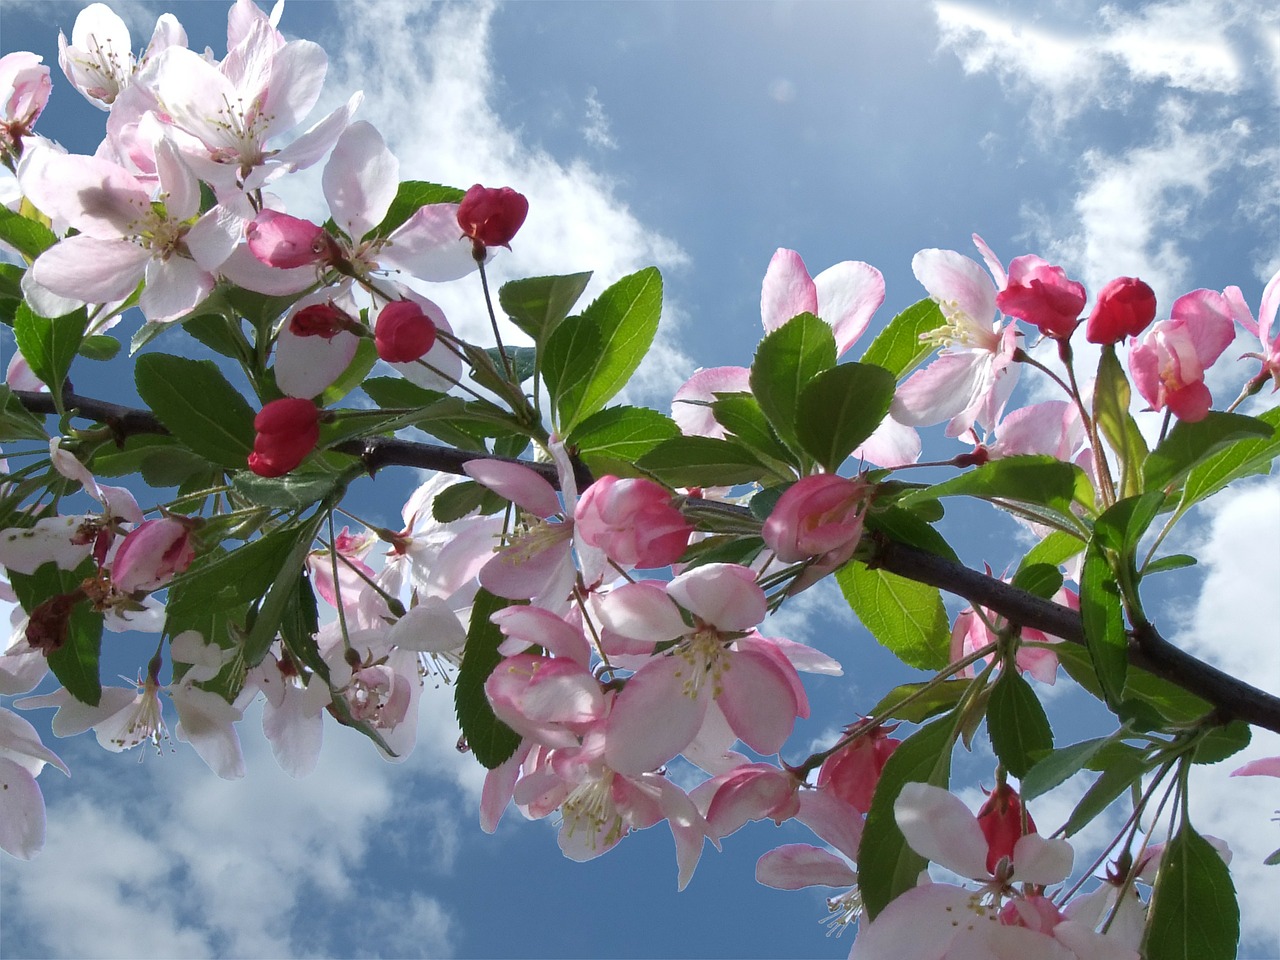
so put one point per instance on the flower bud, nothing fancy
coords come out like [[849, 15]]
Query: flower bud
[[815, 516], [24, 91], [287, 430], [282, 241], [491, 215], [853, 771], [1040, 293], [1001, 822], [403, 332], [151, 554], [1125, 307], [318, 320], [632, 521]]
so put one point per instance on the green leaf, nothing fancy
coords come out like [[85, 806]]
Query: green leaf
[[458, 499], [613, 439], [399, 392], [99, 347], [1058, 767], [1122, 771], [1111, 395], [198, 405], [1190, 444], [173, 466], [411, 196], [1174, 703], [1102, 616], [1240, 459], [49, 343], [1039, 480], [905, 616], [366, 356], [522, 361], [1222, 742], [283, 591], [1175, 561], [29, 237], [227, 578], [702, 462], [537, 304], [1042, 579], [75, 663], [293, 491], [1194, 912], [589, 358], [887, 866], [787, 359], [16, 423], [1055, 549], [839, 408], [1017, 723], [740, 414], [215, 330], [491, 741], [298, 626], [939, 698], [898, 347], [906, 527]]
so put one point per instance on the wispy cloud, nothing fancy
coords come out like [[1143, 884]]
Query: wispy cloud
[[595, 129]]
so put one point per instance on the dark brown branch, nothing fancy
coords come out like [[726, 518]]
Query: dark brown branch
[[1232, 698]]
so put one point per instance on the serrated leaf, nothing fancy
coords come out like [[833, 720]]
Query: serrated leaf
[[298, 626], [939, 698], [1111, 396], [537, 304], [49, 344], [1176, 704], [613, 439], [25, 235], [1042, 579], [887, 866], [1240, 459], [1194, 913], [1189, 444], [458, 499], [198, 405], [786, 360], [702, 462], [16, 422], [75, 663], [1055, 549], [840, 408], [99, 347], [898, 347], [906, 526], [1102, 617], [1058, 767], [589, 358], [491, 741], [1036, 480], [410, 197], [283, 589], [905, 616], [1017, 723], [1122, 771], [293, 491], [228, 578], [1222, 742], [522, 360], [740, 414]]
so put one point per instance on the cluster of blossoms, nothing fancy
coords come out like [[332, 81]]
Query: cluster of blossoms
[[613, 683]]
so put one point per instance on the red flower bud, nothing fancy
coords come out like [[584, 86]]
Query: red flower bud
[[491, 216], [282, 241], [288, 430], [1001, 822], [1040, 293], [318, 320], [1125, 307], [403, 332]]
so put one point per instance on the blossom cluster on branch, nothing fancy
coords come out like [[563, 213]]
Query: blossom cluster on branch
[[619, 626]]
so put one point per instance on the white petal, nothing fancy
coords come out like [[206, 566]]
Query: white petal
[[938, 826], [360, 180], [21, 812]]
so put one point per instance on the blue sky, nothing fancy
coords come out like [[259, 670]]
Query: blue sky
[[1121, 140]]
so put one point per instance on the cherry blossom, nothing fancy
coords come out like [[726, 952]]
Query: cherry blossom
[[1262, 328], [632, 521], [99, 59], [1169, 363]]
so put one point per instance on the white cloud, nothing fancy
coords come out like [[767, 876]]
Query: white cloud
[[595, 129]]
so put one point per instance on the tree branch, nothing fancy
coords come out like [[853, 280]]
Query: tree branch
[[1231, 697]]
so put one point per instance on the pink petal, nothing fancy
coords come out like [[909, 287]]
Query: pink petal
[[848, 294], [835, 821], [758, 701], [543, 628], [520, 485], [797, 865], [518, 575], [1266, 767], [91, 270], [723, 594], [940, 390], [653, 718], [940, 828], [891, 444], [696, 420], [360, 180], [787, 290], [919, 924], [173, 287], [1037, 859], [992, 261], [641, 611], [1208, 321], [427, 245], [953, 278]]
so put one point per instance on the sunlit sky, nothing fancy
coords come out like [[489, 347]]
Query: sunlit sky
[[1130, 139]]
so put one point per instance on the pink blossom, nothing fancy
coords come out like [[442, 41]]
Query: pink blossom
[[632, 521], [1169, 363], [819, 516], [24, 91], [151, 554], [1263, 327], [973, 376], [1041, 294], [99, 59], [1265, 767], [285, 242]]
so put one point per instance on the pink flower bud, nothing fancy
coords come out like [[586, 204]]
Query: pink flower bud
[[282, 241], [403, 332], [632, 521], [491, 216], [318, 320], [817, 515], [151, 554], [1001, 822], [1040, 293], [853, 771], [1125, 307], [287, 430], [24, 87]]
